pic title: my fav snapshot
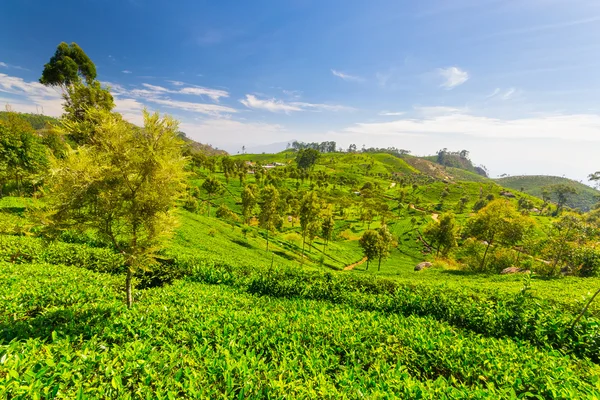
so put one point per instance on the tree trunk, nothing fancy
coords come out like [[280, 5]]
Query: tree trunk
[[438, 250], [267, 240], [379, 265], [128, 291], [367, 265], [485, 255]]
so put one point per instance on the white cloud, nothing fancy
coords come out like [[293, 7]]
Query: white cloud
[[509, 93], [274, 105], [208, 109], [223, 132], [176, 83], [346, 77], [126, 71], [557, 126], [433, 111], [2, 64], [493, 94], [214, 94], [391, 113], [453, 77], [154, 88], [30, 96]]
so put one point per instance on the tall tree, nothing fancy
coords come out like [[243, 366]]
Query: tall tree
[[68, 65], [269, 216], [123, 186], [327, 229], [248, 201], [310, 209], [212, 187]]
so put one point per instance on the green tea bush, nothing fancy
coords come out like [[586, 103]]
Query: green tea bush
[[67, 334]]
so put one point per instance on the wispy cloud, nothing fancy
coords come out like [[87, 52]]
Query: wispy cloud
[[500, 94], [542, 28], [208, 109], [274, 105], [346, 77], [453, 77], [30, 96], [391, 113], [176, 83], [125, 71], [6, 65]]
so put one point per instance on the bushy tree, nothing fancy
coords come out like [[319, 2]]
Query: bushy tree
[[307, 158], [369, 242], [123, 186], [497, 223], [22, 154], [327, 228], [563, 193], [68, 65], [442, 233]]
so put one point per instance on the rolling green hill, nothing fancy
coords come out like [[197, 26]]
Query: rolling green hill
[[585, 198]]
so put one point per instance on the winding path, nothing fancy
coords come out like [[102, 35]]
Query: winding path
[[356, 264]]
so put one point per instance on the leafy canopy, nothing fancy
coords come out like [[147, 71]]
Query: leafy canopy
[[67, 66]]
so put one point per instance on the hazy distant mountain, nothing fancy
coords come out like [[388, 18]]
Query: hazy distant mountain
[[258, 149]]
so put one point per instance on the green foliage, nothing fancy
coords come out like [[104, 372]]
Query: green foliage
[[498, 223], [442, 233], [68, 64], [534, 185], [123, 186], [269, 217], [307, 158], [22, 155], [66, 332]]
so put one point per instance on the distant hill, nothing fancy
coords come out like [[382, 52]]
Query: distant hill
[[585, 198], [38, 121], [206, 149], [457, 159]]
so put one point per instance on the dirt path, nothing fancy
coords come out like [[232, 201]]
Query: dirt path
[[356, 264]]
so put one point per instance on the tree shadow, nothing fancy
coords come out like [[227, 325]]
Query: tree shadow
[[65, 322]]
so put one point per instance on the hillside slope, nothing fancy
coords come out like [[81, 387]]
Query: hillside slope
[[585, 198]]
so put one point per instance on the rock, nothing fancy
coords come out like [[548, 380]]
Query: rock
[[423, 265], [514, 270], [507, 194]]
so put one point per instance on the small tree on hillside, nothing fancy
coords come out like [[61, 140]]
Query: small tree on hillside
[[310, 209], [123, 186], [498, 223], [307, 158], [327, 229], [563, 194], [370, 245], [268, 217], [385, 244], [248, 202], [442, 233], [212, 187]]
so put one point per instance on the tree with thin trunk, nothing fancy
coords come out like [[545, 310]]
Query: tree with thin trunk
[[370, 245], [327, 229], [123, 185], [269, 215], [212, 187], [498, 223], [442, 233], [310, 209], [248, 202]]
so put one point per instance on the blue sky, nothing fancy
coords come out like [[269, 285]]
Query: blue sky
[[514, 82]]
